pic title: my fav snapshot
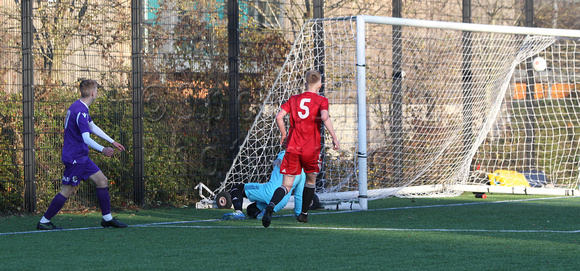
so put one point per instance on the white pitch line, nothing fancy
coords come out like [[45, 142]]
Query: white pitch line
[[431, 206], [95, 228], [446, 205], [176, 222], [45, 231], [317, 213], [368, 229]]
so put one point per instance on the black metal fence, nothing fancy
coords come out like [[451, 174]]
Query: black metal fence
[[181, 84]]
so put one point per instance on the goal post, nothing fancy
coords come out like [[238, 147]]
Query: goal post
[[362, 111], [409, 113]]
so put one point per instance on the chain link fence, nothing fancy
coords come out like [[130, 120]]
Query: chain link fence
[[181, 83]]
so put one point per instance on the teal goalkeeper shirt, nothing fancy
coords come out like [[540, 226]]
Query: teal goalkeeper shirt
[[261, 193]]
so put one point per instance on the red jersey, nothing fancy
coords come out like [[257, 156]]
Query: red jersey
[[305, 121]]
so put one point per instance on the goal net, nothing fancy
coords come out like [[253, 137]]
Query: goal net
[[535, 136], [412, 103]]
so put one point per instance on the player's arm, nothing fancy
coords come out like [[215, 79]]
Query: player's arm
[[100, 133], [281, 125], [93, 144], [108, 151], [83, 122], [328, 124]]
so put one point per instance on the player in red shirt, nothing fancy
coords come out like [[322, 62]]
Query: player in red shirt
[[307, 112]]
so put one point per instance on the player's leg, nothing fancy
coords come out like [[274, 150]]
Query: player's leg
[[237, 193], [102, 184], [311, 166], [55, 205], [289, 168], [253, 210], [279, 193], [260, 195], [307, 195], [70, 182]]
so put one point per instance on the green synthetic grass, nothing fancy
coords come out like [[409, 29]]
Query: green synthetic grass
[[502, 232]]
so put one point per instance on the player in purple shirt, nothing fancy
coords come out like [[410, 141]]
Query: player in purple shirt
[[75, 155]]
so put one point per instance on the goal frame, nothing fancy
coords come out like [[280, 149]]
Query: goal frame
[[361, 104], [362, 20]]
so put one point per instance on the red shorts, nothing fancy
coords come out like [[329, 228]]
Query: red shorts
[[293, 163]]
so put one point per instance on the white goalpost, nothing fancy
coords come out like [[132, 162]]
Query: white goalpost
[[427, 108]]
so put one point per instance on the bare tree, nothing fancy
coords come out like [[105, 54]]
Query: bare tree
[[64, 28], [10, 59], [557, 14], [292, 14]]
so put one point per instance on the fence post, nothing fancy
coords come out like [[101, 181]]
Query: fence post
[[467, 79], [234, 74], [28, 106], [137, 88], [396, 130]]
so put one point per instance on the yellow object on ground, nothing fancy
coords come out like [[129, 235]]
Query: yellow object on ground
[[509, 178]]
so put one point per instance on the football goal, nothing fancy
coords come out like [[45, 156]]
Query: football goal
[[428, 108]]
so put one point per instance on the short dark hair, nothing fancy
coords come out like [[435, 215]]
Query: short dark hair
[[86, 86], [313, 76]]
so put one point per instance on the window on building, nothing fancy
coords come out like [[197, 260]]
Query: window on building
[[266, 13]]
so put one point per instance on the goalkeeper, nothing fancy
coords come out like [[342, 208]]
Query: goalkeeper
[[261, 193]]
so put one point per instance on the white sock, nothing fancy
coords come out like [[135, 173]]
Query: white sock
[[239, 211], [44, 220], [108, 217]]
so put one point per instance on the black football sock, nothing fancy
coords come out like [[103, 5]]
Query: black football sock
[[278, 195], [307, 196], [237, 197]]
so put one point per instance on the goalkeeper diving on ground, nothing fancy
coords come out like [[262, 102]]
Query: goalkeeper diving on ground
[[261, 193]]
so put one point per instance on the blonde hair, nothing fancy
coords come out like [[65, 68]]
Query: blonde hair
[[86, 87], [313, 76]]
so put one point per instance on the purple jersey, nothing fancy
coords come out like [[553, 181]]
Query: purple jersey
[[74, 149]]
